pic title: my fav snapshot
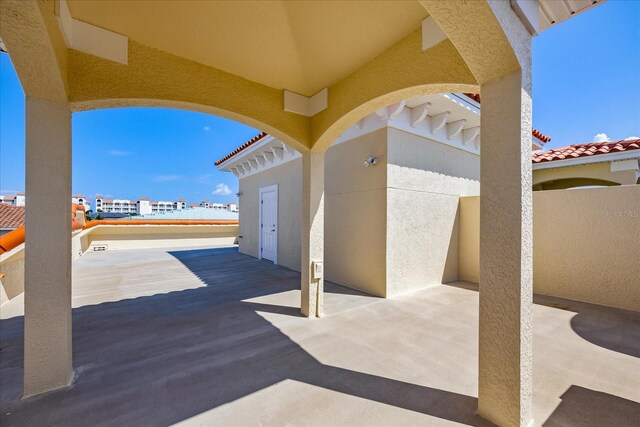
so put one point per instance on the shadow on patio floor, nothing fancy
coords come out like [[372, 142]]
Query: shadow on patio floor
[[611, 328], [165, 358], [588, 408]]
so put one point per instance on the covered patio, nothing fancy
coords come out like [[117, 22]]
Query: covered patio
[[322, 67], [214, 337]]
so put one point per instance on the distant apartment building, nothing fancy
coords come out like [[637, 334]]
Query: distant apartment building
[[231, 206], [79, 199], [18, 199], [140, 207]]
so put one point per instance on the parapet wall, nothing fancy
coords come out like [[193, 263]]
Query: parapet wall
[[586, 244], [116, 237]]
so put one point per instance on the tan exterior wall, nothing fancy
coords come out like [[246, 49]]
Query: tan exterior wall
[[469, 239], [585, 244], [288, 177], [389, 228], [117, 237], [425, 180], [597, 171], [355, 214], [12, 266]]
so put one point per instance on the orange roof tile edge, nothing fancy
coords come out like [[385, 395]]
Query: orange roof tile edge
[[586, 150], [161, 222], [244, 146], [12, 239]]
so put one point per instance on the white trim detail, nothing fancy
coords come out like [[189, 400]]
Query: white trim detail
[[625, 165], [388, 112], [265, 154], [262, 190], [306, 106], [527, 11], [414, 118], [419, 113], [432, 34], [90, 39], [470, 134], [455, 121], [454, 129], [598, 158], [438, 122]]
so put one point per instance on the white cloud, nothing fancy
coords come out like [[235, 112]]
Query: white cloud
[[601, 137], [166, 178], [119, 153], [206, 128], [629, 138], [222, 190]]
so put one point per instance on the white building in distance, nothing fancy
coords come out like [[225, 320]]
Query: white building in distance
[[79, 199], [17, 199], [140, 207], [231, 206]]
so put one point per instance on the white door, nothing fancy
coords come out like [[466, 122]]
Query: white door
[[269, 223]]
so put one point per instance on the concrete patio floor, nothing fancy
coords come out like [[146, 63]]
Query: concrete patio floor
[[214, 337]]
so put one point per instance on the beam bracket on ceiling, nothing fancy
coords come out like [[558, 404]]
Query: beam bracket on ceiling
[[306, 106], [90, 39]]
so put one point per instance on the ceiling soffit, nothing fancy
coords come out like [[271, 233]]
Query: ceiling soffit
[[295, 45]]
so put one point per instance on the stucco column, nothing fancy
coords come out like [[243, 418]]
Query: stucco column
[[47, 297], [312, 249], [506, 288]]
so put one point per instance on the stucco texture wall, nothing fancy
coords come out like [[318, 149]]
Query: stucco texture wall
[[425, 180], [288, 177], [118, 237], [355, 214], [585, 244]]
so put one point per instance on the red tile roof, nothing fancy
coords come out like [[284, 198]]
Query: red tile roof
[[535, 132], [7, 197], [11, 216], [586, 150], [244, 146]]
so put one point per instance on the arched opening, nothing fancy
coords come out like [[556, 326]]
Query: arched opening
[[567, 183]]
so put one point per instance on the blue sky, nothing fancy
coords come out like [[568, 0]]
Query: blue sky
[[586, 81]]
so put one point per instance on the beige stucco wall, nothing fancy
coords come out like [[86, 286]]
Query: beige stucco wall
[[469, 239], [355, 214], [117, 237], [389, 228], [585, 244], [288, 177], [599, 171], [425, 180], [12, 266]]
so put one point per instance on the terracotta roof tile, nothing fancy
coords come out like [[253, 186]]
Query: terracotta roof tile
[[11, 216], [586, 150], [244, 146]]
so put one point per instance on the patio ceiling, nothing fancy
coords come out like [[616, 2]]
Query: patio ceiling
[[299, 46]]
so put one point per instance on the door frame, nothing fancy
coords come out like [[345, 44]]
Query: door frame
[[267, 189]]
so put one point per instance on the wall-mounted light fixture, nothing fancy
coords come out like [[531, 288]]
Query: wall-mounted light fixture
[[239, 193], [370, 161]]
